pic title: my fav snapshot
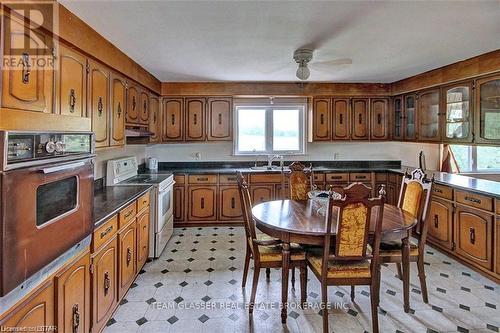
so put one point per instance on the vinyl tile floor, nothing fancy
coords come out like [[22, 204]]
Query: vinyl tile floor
[[195, 286]]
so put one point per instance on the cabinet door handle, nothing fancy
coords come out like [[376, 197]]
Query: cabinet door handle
[[154, 118], [195, 118], [26, 68], [133, 103], [233, 203], [107, 231], [75, 318], [436, 221], [336, 177], [202, 179], [100, 107], [119, 110], [72, 100], [107, 283], [472, 235], [202, 203], [220, 118], [379, 119], [322, 119], [129, 256], [128, 214], [173, 119], [232, 179], [437, 190], [360, 118], [341, 118], [474, 200], [145, 107], [360, 177]]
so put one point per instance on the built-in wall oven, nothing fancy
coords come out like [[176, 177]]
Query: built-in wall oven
[[46, 200]]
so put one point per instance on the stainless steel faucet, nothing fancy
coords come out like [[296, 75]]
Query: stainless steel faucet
[[271, 158]]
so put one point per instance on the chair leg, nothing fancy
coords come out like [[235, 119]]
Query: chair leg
[[245, 268], [353, 293], [303, 285], [374, 298], [324, 300], [255, 282], [406, 274], [400, 271], [293, 278], [421, 276], [268, 274]]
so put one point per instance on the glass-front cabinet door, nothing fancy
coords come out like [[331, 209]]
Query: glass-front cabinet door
[[410, 110], [457, 106], [397, 108], [488, 110], [429, 116]]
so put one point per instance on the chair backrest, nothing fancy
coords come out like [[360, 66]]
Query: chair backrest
[[352, 217], [300, 181], [246, 207]]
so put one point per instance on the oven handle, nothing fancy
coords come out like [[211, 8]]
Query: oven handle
[[62, 167]]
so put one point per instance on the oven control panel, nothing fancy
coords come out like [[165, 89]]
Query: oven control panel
[[25, 147]]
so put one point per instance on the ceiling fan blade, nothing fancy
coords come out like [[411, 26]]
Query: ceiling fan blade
[[334, 62]]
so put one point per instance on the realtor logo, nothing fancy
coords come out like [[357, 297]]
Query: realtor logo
[[30, 32]]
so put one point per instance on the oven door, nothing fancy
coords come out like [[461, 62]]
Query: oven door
[[45, 210]]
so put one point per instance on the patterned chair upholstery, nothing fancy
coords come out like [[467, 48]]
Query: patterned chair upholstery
[[299, 181]]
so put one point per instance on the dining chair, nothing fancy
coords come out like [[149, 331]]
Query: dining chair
[[414, 198], [266, 251], [300, 181], [351, 261]]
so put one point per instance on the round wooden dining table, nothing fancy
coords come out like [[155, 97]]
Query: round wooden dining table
[[304, 222]]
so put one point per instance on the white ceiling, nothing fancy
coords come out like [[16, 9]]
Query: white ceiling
[[253, 40]]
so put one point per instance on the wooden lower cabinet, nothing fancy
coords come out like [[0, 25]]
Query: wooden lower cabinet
[[37, 310], [229, 203], [104, 284], [202, 203], [73, 296], [391, 194], [440, 223], [126, 258], [261, 193], [142, 239], [497, 241], [473, 235]]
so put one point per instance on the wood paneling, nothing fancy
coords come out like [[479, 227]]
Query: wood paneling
[[229, 203], [133, 105], [118, 109], [202, 202], [440, 223], [195, 119], [142, 239], [341, 119], [360, 125], [379, 115], [321, 119], [202, 179], [219, 119], [154, 119], [144, 107], [261, 193], [127, 249], [99, 77], [179, 203], [104, 233], [475, 200], [172, 119]]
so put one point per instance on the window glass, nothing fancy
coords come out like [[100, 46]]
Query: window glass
[[286, 130], [488, 158], [462, 155], [251, 130], [476, 158]]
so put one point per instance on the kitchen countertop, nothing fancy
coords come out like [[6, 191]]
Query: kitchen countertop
[[110, 199]]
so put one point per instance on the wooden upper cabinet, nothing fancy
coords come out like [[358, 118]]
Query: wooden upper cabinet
[[340, 119], [71, 83], [195, 118], [172, 119], [429, 117], [73, 296], [99, 77], [321, 119], [154, 118], [219, 119], [25, 87], [457, 108], [35, 311], [398, 118], [360, 126], [132, 114], [144, 107], [487, 117], [379, 111], [118, 108], [410, 115]]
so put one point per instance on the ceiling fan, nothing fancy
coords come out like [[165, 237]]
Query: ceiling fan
[[303, 57]]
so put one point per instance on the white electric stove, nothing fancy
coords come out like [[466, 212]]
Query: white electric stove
[[124, 172]]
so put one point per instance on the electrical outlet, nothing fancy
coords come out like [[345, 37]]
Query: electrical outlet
[[335, 156], [197, 156]]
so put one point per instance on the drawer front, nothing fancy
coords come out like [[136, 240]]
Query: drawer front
[[202, 179], [442, 191], [319, 178], [394, 178], [127, 214], [228, 179], [381, 177], [143, 202], [336, 177], [475, 200], [105, 232], [265, 178], [179, 179], [360, 177]]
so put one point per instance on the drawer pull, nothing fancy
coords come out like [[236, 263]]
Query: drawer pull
[[379, 119], [107, 231], [472, 235], [436, 221], [341, 118], [336, 177], [360, 177], [128, 214], [144, 202], [173, 119], [360, 118], [75, 318], [202, 179], [129, 256], [72, 100], [107, 283], [202, 203], [195, 119], [322, 119], [232, 179], [233, 203], [473, 200], [220, 118], [438, 190]]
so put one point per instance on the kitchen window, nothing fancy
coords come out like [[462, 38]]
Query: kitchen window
[[269, 128], [477, 158]]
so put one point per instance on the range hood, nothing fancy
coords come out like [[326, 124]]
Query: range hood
[[137, 132]]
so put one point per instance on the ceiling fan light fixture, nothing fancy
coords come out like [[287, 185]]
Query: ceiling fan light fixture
[[303, 71]]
